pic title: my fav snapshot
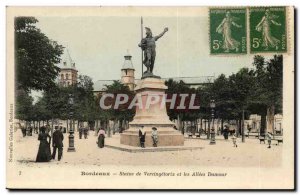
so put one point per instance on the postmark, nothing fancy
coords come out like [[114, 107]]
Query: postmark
[[228, 33], [268, 29]]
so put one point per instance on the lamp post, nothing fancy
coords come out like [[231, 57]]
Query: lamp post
[[212, 132], [71, 147]]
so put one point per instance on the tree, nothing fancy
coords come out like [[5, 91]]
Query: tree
[[221, 92], [121, 114], [24, 106], [84, 100], [268, 88], [241, 85], [36, 56], [186, 114]]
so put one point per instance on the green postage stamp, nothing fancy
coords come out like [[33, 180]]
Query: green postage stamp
[[228, 33], [268, 29]]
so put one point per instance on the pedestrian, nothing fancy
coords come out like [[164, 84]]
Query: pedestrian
[[225, 132], [85, 132], [269, 138], [142, 136], [23, 129], [154, 136], [80, 131], [101, 138], [57, 144], [44, 153], [234, 140]]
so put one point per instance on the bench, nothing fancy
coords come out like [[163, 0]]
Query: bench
[[198, 135], [190, 135]]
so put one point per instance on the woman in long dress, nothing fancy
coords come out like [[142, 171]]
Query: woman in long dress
[[229, 43], [44, 153], [101, 138], [264, 26]]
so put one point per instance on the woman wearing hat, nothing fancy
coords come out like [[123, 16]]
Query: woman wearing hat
[[101, 138], [44, 153]]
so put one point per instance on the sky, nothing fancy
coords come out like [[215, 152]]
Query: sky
[[98, 44]]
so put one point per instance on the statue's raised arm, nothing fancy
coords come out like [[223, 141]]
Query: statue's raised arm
[[161, 34]]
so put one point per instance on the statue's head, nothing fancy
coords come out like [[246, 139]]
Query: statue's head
[[228, 14], [267, 13], [148, 32]]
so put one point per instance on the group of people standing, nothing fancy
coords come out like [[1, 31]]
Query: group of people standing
[[44, 152], [142, 136], [83, 130]]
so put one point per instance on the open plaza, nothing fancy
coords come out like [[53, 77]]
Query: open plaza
[[196, 151]]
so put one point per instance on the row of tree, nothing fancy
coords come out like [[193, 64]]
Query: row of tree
[[36, 69], [249, 91]]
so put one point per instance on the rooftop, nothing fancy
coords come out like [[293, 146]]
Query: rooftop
[[100, 85], [66, 62], [127, 63]]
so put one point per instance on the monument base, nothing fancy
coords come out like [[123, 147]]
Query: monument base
[[154, 116], [167, 136]]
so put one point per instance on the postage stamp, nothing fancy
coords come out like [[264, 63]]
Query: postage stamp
[[131, 98], [268, 29], [228, 34]]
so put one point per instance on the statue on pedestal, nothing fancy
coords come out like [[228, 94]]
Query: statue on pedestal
[[148, 46]]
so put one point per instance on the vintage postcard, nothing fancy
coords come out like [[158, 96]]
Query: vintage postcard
[[150, 98]]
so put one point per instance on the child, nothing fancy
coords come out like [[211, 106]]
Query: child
[[154, 136], [234, 140]]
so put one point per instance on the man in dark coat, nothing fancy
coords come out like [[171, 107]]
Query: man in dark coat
[[226, 132], [142, 136], [58, 138]]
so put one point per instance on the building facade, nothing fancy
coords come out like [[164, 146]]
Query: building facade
[[68, 73], [127, 73]]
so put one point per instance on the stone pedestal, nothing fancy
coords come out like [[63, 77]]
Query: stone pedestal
[[155, 115]]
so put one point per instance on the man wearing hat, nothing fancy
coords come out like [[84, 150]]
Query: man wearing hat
[[57, 143], [148, 46]]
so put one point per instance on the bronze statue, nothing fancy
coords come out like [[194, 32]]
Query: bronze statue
[[148, 46]]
